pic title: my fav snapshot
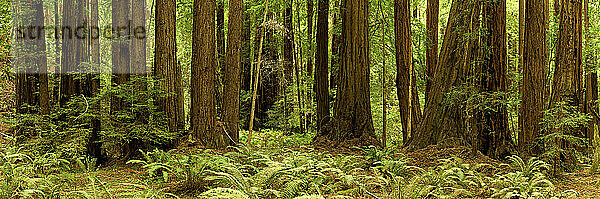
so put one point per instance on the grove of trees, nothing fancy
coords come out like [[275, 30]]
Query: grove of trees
[[500, 77]]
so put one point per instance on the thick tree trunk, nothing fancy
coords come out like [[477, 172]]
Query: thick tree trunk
[[495, 140], [443, 120], [567, 79], [166, 69], [353, 123], [433, 12], [533, 91], [203, 113], [322, 60], [231, 103], [410, 110]]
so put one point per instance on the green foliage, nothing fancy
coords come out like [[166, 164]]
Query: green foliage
[[223, 193], [561, 124], [155, 164]]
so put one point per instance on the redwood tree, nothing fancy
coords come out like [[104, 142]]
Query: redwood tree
[[410, 110], [203, 110], [232, 83], [495, 140], [322, 73], [166, 70], [353, 122], [533, 91], [433, 12], [591, 80], [443, 121]]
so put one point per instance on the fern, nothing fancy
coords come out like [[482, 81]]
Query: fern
[[223, 193]]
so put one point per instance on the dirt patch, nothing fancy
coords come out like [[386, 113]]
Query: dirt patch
[[586, 184]]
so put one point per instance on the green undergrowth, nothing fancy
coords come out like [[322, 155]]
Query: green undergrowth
[[276, 167]]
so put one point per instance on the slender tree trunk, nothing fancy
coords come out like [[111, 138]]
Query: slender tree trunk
[[288, 56], [406, 91], [120, 50], [433, 12], [42, 61], [220, 20], [288, 46], [203, 113], [68, 60], [166, 69], [231, 104], [335, 49], [521, 33], [257, 73], [138, 55], [443, 120], [533, 91], [309, 21], [591, 80], [495, 140], [246, 51], [94, 147], [353, 123], [383, 79], [322, 60]]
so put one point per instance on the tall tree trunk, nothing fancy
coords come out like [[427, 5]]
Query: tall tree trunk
[[27, 14], [259, 33], [567, 79], [288, 46], [246, 51], [120, 50], [591, 80], [567, 84], [533, 91], [68, 60], [383, 78], [166, 69], [353, 123], [406, 90], [322, 60], [433, 12], [310, 10], [203, 113], [94, 147], [521, 33], [335, 49], [42, 61], [232, 83], [220, 20], [495, 140], [443, 120]]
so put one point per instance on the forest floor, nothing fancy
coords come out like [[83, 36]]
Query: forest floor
[[120, 176]]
